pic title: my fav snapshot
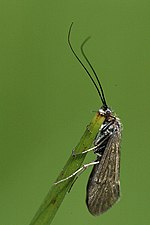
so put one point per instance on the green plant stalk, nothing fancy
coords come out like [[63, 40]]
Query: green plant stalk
[[56, 194]]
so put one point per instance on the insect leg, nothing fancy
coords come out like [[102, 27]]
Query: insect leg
[[91, 149], [88, 150], [79, 171]]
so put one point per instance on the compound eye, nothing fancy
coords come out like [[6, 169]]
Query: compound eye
[[108, 111]]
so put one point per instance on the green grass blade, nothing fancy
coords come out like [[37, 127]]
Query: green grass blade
[[54, 198]]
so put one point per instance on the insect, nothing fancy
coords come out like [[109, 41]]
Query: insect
[[103, 188]]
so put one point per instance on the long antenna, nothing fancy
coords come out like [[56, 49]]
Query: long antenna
[[84, 55], [79, 60]]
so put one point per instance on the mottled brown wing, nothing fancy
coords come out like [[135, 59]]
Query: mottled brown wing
[[103, 188]]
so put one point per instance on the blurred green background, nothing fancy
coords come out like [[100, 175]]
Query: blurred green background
[[46, 101]]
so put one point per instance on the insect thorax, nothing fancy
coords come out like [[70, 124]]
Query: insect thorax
[[108, 128]]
